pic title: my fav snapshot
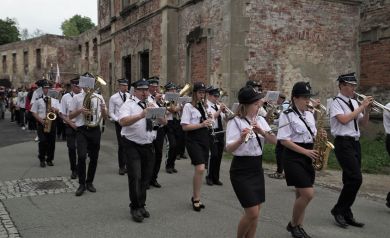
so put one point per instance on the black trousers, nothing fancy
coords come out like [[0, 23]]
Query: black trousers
[[217, 145], [61, 133], [174, 133], [139, 162], [348, 154], [72, 146], [47, 143], [278, 154], [22, 117], [121, 153], [88, 142], [158, 144], [32, 123], [388, 143]]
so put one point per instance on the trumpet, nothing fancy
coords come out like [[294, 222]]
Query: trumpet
[[229, 113], [320, 105], [378, 107]]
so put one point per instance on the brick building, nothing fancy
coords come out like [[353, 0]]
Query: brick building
[[224, 43]]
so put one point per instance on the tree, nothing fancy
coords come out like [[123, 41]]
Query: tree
[[25, 35], [8, 31], [76, 25]]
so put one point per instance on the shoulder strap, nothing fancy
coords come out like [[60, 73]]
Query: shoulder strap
[[304, 121]]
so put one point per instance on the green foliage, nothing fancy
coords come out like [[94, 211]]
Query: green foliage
[[374, 156], [8, 31], [76, 25]]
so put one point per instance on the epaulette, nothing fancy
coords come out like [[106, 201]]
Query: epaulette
[[288, 111]]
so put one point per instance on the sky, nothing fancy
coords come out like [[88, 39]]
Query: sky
[[46, 15]]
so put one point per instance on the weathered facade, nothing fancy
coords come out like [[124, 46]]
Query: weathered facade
[[27, 61], [375, 49], [223, 43]]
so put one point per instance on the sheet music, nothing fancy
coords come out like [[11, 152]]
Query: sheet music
[[272, 96], [234, 107], [183, 100], [155, 112], [171, 96], [86, 82], [53, 93]]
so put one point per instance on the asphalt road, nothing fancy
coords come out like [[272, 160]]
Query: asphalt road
[[29, 211]]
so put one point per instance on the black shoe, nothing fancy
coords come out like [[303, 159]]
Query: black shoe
[[121, 171], [80, 190], [174, 170], [154, 183], [42, 164], [144, 213], [305, 235], [295, 231], [351, 221], [388, 204], [136, 214], [169, 170], [340, 221], [50, 163], [73, 175], [91, 188], [197, 205], [218, 183], [209, 181]]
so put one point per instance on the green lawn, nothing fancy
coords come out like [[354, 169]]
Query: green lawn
[[374, 156]]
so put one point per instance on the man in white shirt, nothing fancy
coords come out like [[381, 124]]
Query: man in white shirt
[[115, 103], [386, 124], [88, 132], [46, 128], [21, 103], [138, 135], [70, 126], [345, 117]]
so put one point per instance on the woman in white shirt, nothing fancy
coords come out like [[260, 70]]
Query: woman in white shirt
[[244, 134], [298, 154], [195, 122]]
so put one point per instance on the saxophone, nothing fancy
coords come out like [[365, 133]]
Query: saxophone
[[50, 117], [321, 143]]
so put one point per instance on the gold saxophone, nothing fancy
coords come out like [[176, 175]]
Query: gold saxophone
[[321, 143], [93, 118], [50, 117]]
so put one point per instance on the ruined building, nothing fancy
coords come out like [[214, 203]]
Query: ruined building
[[226, 42]]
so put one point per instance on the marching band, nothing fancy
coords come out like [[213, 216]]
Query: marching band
[[198, 122]]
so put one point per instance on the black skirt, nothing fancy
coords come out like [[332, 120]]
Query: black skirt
[[298, 168], [197, 144], [247, 178]]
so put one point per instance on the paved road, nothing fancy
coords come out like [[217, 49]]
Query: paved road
[[40, 202]]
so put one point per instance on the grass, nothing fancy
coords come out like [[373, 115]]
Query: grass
[[375, 159]]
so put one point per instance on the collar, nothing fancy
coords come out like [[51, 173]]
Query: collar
[[343, 97]]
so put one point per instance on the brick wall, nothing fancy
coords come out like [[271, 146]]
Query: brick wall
[[198, 61]]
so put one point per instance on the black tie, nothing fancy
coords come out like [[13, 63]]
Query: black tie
[[124, 97], [219, 118], [149, 124], [350, 105]]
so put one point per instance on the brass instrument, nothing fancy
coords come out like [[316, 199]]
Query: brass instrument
[[273, 112], [93, 118], [321, 143], [378, 107], [185, 91], [50, 117]]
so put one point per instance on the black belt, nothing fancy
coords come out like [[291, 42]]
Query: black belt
[[87, 127], [348, 138]]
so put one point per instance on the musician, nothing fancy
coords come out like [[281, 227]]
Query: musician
[[297, 139], [138, 135], [174, 131], [386, 124], [116, 101], [196, 122], [244, 134], [87, 136], [21, 104], [345, 117], [155, 98], [39, 110], [217, 141], [70, 126]]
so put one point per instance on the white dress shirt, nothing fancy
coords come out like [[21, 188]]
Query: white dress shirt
[[386, 119], [338, 107], [39, 107], [136, 132], [190, 115], [297, 131], [38, 93], [211, 109], [66, 101], [233, 132], [21, 102], [115, 103], [78, 104]]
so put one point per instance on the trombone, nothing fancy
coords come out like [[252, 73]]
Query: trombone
[[378, 107]]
